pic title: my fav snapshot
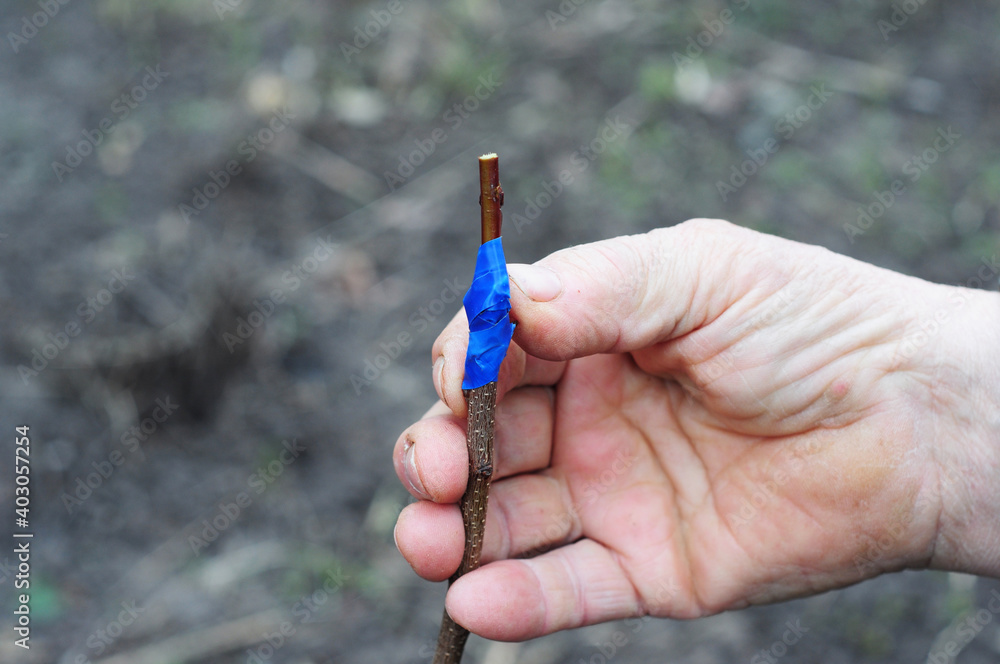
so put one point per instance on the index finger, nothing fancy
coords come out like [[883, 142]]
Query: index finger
[[518, 368], [619, 295]]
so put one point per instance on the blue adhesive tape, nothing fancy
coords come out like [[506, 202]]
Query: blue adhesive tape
[[487, 305]]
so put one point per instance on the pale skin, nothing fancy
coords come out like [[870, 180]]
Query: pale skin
[[703, 418]]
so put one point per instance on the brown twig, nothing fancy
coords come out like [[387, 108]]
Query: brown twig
[[490, 197], [482, 403]]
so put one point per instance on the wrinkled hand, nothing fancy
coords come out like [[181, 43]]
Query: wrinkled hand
[[702, 418]]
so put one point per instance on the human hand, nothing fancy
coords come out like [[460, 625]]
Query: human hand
[[702, 418]]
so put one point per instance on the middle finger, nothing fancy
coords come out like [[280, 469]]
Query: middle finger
[[431, 457]]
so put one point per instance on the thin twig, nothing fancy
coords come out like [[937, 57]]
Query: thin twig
[[482, 403], [490, 197]]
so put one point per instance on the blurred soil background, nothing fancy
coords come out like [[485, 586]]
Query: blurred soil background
[[217, 320]]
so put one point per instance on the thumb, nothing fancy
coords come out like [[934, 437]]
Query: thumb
[[629, 293]]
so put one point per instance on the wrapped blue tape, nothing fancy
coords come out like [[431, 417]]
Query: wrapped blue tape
[[487, 305]]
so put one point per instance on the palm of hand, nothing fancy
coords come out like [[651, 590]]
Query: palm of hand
[[701, 515]]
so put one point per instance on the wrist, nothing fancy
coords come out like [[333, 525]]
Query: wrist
[[965, 405]]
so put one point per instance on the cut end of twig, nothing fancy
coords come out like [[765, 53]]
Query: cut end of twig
[[490, 196]]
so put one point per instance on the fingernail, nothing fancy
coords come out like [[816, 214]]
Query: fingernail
[[539, 283], [395, 540], [437, 375], [412, 476]]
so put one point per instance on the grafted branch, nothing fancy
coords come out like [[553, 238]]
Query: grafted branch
[[482, 402]]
